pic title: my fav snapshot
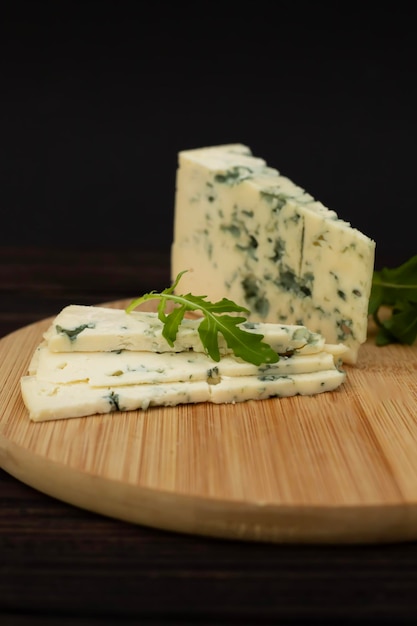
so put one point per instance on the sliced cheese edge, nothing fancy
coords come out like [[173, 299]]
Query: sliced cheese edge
[[85, 328], [101, 369], [50, 401]]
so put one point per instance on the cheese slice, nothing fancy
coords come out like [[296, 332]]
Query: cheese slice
[[50, 401], [85, 328], [120, 362], [248, 233], [101, 369]]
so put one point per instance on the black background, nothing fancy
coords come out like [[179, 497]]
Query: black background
[[97, 99]]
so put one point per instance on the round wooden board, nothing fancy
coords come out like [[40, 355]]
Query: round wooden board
[[339, 467]]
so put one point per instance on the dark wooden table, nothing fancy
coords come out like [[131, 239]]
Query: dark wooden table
[[62, 565]]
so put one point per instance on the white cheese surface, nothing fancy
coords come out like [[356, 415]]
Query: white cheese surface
[[101, 369], [84, 328], [49, 401]]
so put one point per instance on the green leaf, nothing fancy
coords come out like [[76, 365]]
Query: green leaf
[[402, 325], [245, 345], [395, 288], [395, 284], [171, 324]]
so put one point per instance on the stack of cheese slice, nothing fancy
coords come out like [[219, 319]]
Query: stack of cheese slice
[[99, 359]]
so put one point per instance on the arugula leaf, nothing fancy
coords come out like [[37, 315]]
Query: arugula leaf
[[395, 288], [246, 345]]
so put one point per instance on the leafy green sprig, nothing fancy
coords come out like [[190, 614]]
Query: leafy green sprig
[[246, 345], [396, 289]]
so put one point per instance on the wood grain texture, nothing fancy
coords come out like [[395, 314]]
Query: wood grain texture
[[337, 467]]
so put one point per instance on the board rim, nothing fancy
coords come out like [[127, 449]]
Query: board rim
[[182, 513]]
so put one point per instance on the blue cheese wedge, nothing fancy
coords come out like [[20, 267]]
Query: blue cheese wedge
[[50, 401], [248, 233], [83, 328]]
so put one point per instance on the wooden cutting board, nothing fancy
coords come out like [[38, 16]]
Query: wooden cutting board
[[339, 467]]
